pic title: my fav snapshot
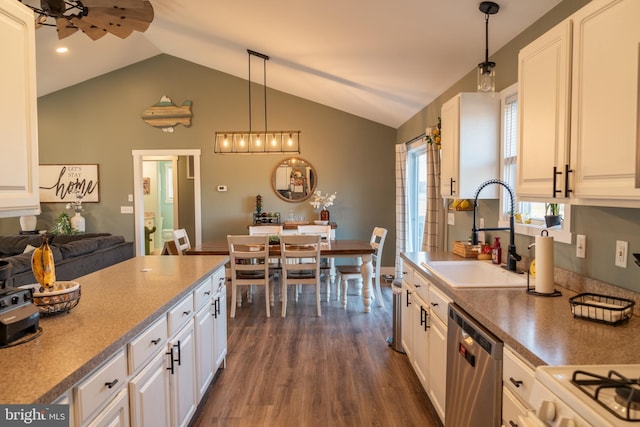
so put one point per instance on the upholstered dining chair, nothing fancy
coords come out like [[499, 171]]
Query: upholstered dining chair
[[353, 272], [181, 240], [249, 266], [300, 256], [327, 265]]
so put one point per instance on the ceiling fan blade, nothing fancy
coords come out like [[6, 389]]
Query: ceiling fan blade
[[137, 19], [64, 28], [129, 4], [91, 30], [108, 24]]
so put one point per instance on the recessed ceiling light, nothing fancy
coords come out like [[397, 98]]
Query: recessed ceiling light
[[62, 49]]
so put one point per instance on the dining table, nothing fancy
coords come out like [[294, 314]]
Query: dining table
[[360, 250]]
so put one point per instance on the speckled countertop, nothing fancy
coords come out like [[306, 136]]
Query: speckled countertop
[[116, 304], [540, 329]]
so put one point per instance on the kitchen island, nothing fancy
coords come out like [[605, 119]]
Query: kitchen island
[[541, 329], [116, 305]]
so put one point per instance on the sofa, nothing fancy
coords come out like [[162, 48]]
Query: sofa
[[74, 254]]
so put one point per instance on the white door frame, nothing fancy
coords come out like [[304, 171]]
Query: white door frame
[[138, 200]]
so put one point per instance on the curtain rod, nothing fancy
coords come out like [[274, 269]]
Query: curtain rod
[[411, 141]]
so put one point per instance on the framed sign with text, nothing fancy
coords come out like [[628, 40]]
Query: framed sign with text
[[60, 183]]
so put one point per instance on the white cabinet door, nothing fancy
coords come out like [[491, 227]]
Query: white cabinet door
[[116, 414], [219, 313], [437, 374], [183, 376], [18, 112], [605, 114], [470, 144], [406, 312], [204, 324], [544, 104], [420, 319], [149, 392]]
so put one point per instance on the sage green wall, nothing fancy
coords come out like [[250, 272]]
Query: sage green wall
[[602, 226], [98, 121]]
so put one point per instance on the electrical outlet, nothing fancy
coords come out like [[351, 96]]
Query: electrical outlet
[[622, 248], [581, 245]]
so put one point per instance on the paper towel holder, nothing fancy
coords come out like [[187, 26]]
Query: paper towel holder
[[532, 291]]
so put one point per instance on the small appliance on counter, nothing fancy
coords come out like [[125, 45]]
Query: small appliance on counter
[[18, 315]]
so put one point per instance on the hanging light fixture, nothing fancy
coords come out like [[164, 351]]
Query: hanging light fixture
[[486, 69], [263, 141]]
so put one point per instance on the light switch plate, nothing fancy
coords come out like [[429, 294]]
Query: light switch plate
[[581, 245], [451, 218], [126, 209]]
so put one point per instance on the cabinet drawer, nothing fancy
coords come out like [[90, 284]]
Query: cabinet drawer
[[180, 314], [511, 409], [422, 286], [407, 275], [202, 294], [100, 386], [439, 303], [517, 376], [147, 344], [218, 280]]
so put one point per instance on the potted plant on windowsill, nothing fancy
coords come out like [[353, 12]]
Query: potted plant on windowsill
[[552, 215]]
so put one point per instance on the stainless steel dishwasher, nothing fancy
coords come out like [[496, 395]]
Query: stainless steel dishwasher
[[474, 373]]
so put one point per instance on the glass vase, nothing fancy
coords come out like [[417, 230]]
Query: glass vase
[[324, 215]]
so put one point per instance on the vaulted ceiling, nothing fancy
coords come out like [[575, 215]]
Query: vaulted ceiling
[[381, 60]]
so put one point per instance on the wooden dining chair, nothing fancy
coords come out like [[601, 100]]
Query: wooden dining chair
[[181, 240], [354, 272], [249, 262], [300, 256], [327, 265]]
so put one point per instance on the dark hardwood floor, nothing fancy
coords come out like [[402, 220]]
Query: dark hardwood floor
[[304, 370]]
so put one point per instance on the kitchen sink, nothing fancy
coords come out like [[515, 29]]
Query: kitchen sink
[[475, 274]]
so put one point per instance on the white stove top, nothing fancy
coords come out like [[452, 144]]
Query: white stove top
[[558, 380]]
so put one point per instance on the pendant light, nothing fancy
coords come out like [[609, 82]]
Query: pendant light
[[486, 69], [263, 141]]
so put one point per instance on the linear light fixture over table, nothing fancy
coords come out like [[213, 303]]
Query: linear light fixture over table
[[263, 141]]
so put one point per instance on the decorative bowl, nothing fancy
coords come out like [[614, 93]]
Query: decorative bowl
[[60, 299], [318, 222]]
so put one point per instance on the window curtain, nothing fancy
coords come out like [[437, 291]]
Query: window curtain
[[401, 192], [433, 237]]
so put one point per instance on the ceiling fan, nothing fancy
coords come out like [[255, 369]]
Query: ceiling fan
[[95, 18]]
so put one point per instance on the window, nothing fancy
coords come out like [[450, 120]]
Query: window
[[531, 213], [416, 195]]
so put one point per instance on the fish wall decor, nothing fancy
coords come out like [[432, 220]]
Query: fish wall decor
[[165, 114]]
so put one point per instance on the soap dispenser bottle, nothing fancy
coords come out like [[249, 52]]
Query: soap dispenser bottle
[[496, 253]]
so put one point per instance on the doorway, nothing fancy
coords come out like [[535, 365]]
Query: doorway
[[156, 195], [161, 200]]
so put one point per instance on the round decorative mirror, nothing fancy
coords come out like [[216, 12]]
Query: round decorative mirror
[[294, 179]]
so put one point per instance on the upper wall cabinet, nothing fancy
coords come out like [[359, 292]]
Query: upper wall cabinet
[[18, 112], [597, 51], [470, 145], [544, 84]]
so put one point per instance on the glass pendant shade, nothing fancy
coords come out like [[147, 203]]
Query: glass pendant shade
[[486, 78]]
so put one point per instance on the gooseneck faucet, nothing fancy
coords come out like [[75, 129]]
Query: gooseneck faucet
[[512, 256]]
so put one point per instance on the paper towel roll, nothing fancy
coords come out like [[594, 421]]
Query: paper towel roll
[[544, 265]]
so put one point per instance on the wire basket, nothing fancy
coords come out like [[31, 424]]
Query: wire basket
[[64, 296], [601, 308]]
